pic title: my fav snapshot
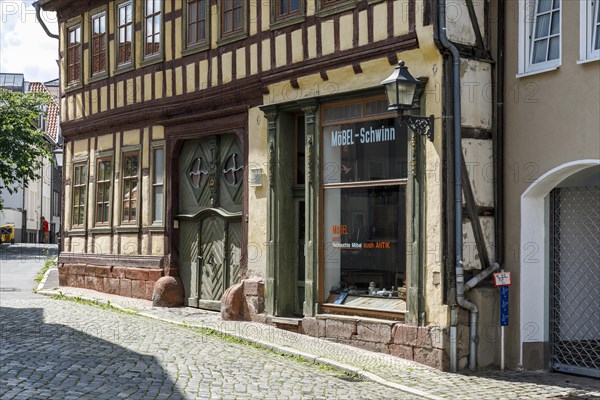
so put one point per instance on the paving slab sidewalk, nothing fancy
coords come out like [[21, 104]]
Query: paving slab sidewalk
[[394, 372]]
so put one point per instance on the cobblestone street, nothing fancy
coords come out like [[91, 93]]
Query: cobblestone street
[[54, 349]]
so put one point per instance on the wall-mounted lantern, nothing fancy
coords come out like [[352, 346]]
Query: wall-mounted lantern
[[400, 88]]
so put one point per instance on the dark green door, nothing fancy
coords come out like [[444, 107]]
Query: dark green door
[[211, 176]]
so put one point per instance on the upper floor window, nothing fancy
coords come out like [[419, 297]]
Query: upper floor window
[[589, 30], [196, 21], [287, 8], [98, 44], [124, 32], [153, 21], [103, 183], [232, 16], [130, 187], [545, 42], [74, 54], [79, 194], [540, 35]]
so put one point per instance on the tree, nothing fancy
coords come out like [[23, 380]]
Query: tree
[[23, 146]]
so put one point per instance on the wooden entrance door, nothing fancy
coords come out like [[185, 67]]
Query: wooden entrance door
[[211, 175]]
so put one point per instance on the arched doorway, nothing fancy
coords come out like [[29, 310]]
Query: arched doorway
[[560, 267]]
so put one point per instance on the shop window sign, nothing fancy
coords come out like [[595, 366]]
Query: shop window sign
[[364, 208]]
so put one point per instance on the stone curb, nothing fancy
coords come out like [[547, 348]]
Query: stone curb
[[265, 345], [40, 286]]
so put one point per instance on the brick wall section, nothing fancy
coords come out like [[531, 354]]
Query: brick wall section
[[427, 345], [130, 282]]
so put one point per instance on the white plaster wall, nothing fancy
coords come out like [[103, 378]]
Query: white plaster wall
[[480, 167], [476, 94]]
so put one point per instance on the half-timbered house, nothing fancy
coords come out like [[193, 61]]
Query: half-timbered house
[[211, 143]]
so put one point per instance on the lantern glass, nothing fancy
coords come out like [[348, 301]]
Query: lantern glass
[[400, 87]]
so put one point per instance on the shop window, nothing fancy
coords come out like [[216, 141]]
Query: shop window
[[153, 27], [98, 43], [124, 32], [103, 184], [364, 180], [79, 195], [130, 176], [197, 22], [74, 54]]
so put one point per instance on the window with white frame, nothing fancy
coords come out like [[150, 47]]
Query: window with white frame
[[539, 35], [153, 27], [589, 30], [124, 32]]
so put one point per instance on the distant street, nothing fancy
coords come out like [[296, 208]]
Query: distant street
[[54, 349], [19, 265]]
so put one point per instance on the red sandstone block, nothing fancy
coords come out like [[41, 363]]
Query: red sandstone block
[[118, 272], [155, 274], [89, 270], [79, 281], [76, 269], [71, 280], [370, 346], [98, 283], [149, 290], [401, 351], [435, 358], [138, 289], [137, 274], [340, 329], [253, 287], [313, 327], [111, 285], [373, 332], [405, 334], [125, 287], [62, 278], [89, 282], [102, 271]]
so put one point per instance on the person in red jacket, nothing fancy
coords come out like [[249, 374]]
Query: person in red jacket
[[45, 229]]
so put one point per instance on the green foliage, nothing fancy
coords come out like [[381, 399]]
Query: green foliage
[[23, 146]]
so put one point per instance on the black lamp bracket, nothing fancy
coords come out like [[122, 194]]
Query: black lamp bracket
[[420, 125]]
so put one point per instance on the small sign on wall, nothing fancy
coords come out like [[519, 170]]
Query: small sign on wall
[[502, 279]]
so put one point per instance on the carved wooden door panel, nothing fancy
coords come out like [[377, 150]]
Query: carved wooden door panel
[[211, 175], [211, 261]]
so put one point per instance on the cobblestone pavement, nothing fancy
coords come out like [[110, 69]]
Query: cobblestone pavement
[[398, 374], [53, 349]]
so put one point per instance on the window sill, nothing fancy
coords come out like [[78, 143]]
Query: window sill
[[588, 60], [156, 228], [98, 77], [127, 229], [337, 8], [77, 232], [101, 229], [123, 68], [537, 72], [230, 38], [196, 48], [73, 86], [150, 60], [285, 22]]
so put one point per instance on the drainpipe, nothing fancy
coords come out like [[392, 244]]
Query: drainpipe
[[41, 21], [461, 300]]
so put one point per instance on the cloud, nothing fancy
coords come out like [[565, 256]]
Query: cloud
[[24, 46]]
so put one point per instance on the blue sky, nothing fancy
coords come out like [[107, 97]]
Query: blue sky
[[24, 46]]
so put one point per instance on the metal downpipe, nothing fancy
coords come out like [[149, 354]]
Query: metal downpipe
[[460, 279]]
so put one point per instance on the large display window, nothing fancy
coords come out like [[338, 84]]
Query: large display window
[[364, 177]]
